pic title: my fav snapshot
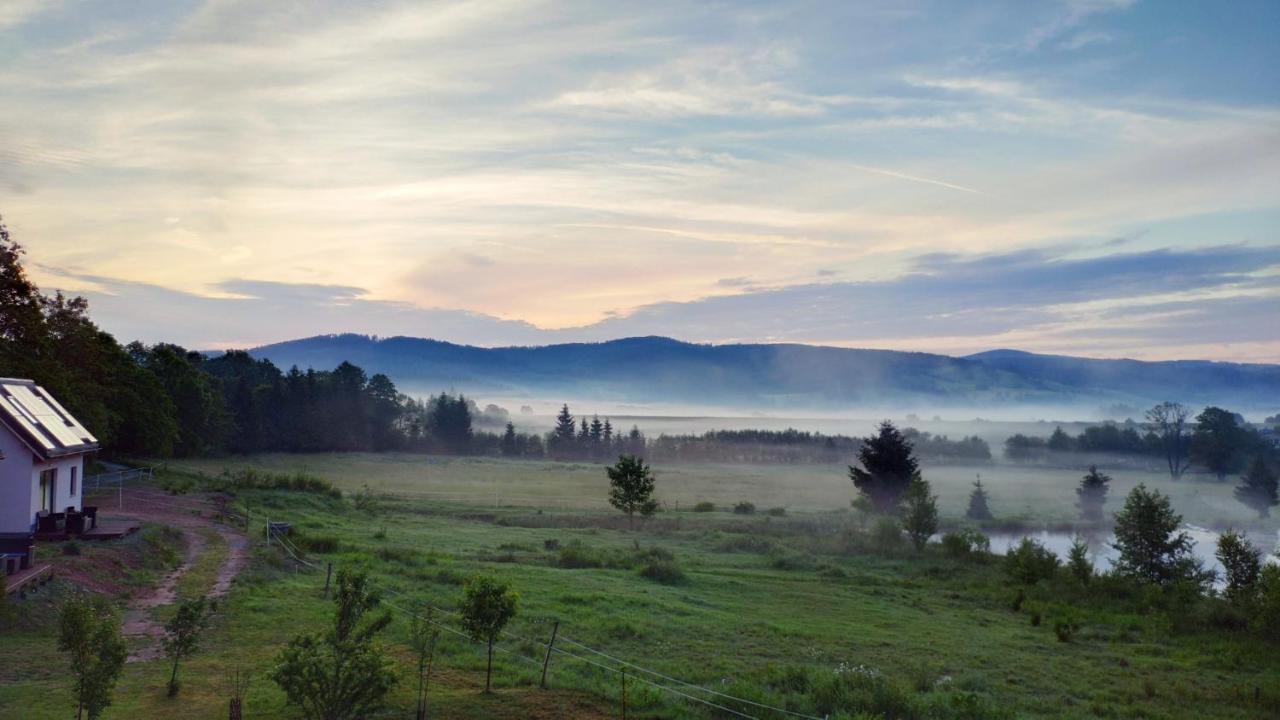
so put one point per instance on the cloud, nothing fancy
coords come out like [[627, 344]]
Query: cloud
[[1154, 303]]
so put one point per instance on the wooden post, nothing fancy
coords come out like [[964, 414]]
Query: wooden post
[[328, 573], [547, 660], [624, 694]]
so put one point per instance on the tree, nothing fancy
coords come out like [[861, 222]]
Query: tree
[[510, 442], [631, 485], [1258, 488], [1241, 565], [1216, 441], [560, 443], [978, 509], [920, 512], [342, 673], [182, 635], [1059, 441], [1152, 547], [1078, 561], [888, 468], [1091, 496], [89, 633], [1168, 421], [423, 635], [487, 606]]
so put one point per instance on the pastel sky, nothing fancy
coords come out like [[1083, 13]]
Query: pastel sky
[[1093, 177]]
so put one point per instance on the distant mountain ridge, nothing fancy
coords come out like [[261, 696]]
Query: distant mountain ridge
[[660, 369]]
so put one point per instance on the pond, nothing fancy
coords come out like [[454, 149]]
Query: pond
[[1103, 554]]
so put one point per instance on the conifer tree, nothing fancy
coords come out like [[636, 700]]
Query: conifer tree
[[978, 509], [888, 468], [1092, 494]]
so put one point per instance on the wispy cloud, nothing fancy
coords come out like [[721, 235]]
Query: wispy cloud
[[553, 164]]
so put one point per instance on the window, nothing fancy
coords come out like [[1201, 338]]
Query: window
[[73, 481]]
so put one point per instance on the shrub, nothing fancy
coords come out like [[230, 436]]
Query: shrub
[[965, 543], [317, 543], [777, 511], [886, 536], [705, 506], [663, 570], [1065, 628], [1030, 562], [575, 556], [855, 690], [251, 479], [744, 508], [1078, 561]]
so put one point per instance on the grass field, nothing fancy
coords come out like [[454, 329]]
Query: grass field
[[770, 608], [1035, 495]]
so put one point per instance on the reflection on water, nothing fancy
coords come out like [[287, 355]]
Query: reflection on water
[[1103, 554]]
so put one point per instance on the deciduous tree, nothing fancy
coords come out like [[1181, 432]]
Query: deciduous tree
[[89, 633], [487, 606], [631, 485]]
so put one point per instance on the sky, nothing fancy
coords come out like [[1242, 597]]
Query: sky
[[1088, 177]]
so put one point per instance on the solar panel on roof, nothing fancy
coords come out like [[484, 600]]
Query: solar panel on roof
[[20, 416], [51, 421], [74, 424]]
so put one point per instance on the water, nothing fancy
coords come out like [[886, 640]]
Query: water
[[1103, 554]]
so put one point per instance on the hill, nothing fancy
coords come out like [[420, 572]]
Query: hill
[[663, 370]]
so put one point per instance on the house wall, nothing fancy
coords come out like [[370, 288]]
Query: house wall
[[15, 484], [63, 495]]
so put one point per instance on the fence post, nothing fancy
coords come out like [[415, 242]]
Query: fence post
[[327, 574], [547, 660], [624, 694]]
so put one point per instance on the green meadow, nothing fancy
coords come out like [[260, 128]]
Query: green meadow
[[780, 610]]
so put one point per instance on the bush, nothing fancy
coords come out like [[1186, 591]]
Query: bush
[[705, 506], [317, 543], [1065, 628], [861, 690], [744, 508], [886, 536], [663, 570], [777, 511], [1030, 562], [966, 543], [576, 556], [251, 479]]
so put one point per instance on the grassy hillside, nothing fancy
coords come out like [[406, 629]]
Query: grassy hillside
[[773, 609]]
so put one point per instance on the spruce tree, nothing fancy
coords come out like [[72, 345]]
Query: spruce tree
[[978, 509], [1092, 494], [888, 468], [1258, 488]]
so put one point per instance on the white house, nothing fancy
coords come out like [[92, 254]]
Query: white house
[[42, 453]]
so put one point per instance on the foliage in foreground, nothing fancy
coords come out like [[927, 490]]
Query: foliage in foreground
[[342, 673], [89, 633]]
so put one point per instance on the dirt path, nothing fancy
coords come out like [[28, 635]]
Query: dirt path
[[177, 512]]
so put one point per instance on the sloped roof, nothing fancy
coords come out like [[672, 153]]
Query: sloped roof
[[40, 421]]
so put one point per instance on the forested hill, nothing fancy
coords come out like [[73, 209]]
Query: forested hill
[[657, 369]]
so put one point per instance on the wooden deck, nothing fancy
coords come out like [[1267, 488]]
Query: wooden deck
[[27, 580], [110, 531]]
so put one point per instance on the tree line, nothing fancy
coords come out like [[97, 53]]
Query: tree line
[[1217, 440]]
